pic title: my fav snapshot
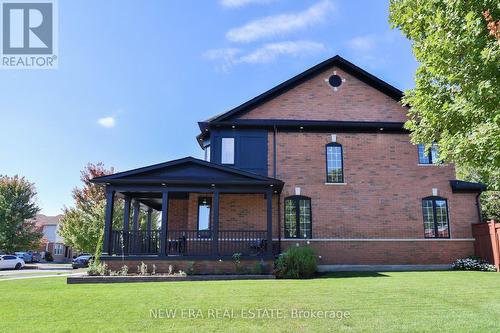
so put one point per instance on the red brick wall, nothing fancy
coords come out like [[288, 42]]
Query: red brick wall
[[177, 213], [383, 191], [425, 252], [236, 211], [316, 100]]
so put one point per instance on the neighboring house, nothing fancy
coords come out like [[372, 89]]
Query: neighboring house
[[51, 241], [321, 159]]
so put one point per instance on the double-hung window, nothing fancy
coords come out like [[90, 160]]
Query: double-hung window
[[429, 157], [298, 217], [435, 213]]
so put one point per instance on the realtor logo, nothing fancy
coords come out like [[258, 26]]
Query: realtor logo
[[28, 34]]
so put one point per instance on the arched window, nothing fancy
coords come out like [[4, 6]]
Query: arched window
[[436, 221], [334, 163], [298, 217]]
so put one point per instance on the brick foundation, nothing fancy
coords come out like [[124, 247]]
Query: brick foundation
[[193, 266], [388, 252]]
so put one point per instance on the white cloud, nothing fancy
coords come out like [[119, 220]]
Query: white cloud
[[280, 24], [269, 52], [227, 57], [241, 3], [362, 43], [107, 122]]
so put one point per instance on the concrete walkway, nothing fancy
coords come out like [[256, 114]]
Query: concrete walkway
[[41, 270], [36, 276]]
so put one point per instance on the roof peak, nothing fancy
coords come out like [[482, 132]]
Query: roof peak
[[283, 87]]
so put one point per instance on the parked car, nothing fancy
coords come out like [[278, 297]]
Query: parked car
[[26, 256], [37, 257], [81, 261], [8, 261]]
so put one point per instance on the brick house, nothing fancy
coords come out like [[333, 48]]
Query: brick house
[[322, 159], [51, 241]]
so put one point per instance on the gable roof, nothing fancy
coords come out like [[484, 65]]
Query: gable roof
[[187, 171], [337, 61], [42, 220]]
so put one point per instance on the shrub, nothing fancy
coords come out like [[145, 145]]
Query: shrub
[[259, 268], [190, 267], [237, 262], [142, 269], [95, 269], [48, 256], [123, 271], [297, 263], [473, 264]]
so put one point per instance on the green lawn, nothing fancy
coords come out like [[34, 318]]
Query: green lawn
[[384, 302]]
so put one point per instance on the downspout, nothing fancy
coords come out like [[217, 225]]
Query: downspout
[[275, 135], [478, 205]]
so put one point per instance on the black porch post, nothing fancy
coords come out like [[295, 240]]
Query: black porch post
[[108, 222], [149, 221], [135, 225], [215, 224], [126, 222], [164, 224], [137, 210], [269, 198]]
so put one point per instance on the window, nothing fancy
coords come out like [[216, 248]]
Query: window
[[227, 156], [430, 157], [298, 217], [58, 249], [435, 212], [334, 163], [207, 153], [204, 207]]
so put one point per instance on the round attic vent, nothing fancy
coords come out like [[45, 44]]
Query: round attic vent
[[335, 81]]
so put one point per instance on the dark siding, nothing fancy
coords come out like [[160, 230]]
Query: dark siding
[[250, 152]]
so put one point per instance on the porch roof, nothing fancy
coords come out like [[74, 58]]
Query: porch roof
[[189, 171]]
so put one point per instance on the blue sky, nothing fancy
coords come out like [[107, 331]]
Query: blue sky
[[134, 77]]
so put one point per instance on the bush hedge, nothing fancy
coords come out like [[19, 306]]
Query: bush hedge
[[298, 262], [473, 264]]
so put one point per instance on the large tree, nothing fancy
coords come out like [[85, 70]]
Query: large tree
[[18, 231], [456, 99]]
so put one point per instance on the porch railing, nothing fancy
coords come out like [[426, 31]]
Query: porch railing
[[190, 242]]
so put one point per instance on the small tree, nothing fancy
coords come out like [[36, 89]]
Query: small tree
[[18, 230], [82, 225]]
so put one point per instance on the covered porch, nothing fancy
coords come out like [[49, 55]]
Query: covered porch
[[188, 209]]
